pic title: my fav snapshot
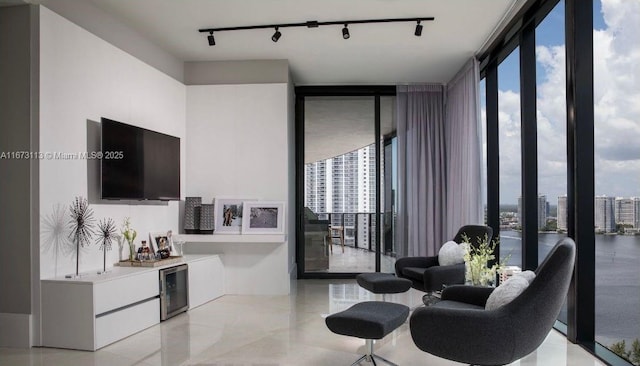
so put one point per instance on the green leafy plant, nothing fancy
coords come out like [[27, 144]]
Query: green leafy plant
[[633, 355], [477, 258], [635, 352], [620, 349]]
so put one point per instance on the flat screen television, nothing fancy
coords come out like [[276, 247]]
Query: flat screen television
[[138, 164]]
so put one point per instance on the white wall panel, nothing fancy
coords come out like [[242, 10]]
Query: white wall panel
[[84, 78], [238, 146]]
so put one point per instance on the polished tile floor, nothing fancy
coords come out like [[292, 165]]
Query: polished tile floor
[[356, 260], [271, 331]]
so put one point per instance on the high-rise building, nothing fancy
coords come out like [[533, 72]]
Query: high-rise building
[[636, 212], [563, 214], [604, 214], [344, 186], [315, 186], [625, 211], [543, 211]]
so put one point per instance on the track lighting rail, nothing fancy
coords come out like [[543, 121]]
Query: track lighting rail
[[316, 24]]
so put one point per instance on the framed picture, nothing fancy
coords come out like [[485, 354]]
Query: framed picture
[[160, 240], [262, 217], [228, 215]]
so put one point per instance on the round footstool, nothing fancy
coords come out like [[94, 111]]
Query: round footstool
[[368, 320], [383, 283]]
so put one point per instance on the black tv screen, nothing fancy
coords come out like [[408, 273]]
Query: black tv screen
[[139, 164]]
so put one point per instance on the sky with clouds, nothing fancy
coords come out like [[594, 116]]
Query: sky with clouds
[[616, 98]]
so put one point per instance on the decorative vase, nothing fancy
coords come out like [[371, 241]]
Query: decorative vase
[[132, 251], [121, 249]]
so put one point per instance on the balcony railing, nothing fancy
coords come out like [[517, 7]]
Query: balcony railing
[[359, 229]]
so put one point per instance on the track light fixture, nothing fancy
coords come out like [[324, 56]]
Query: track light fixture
[[276, 36], [418, 31], [345, 32], [315, 24]]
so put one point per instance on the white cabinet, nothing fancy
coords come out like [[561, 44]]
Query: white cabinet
[[109, 295], [206, 280], [91, 312]]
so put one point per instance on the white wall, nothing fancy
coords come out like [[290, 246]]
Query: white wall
[[91, 17], [83, 78], [238, 146], [236, 72]]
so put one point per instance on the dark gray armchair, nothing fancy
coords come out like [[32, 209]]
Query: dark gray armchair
[[459, 328], [428, 275]]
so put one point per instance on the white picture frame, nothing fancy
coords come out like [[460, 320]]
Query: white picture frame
[[159, 239], [263, 217], [228, 214]]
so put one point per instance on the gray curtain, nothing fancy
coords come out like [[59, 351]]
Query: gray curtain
[[463, 150], [421, 169], [439, 162]]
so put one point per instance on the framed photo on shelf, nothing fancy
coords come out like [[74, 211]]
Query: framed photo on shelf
[[161, 240], [228, 215], [263, 217]]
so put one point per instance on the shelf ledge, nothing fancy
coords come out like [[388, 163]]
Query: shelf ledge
[[230, 238]]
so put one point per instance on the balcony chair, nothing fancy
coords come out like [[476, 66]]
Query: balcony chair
[[427, 275], [315, 239], [459, 328], [336, 232]]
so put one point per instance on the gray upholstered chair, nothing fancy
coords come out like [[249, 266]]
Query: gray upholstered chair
[[428, 275], [459, 328]]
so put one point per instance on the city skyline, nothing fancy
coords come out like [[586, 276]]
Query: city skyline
[[611, 214]]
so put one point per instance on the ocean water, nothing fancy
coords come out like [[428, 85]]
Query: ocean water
[[617, 281]]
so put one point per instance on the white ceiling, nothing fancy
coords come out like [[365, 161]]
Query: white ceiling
[[386, 53], [375, 54], [337, 125]]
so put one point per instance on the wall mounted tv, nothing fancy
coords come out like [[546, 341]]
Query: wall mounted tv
[[138, 164]]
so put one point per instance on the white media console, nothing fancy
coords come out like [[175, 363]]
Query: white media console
[[90, 312]]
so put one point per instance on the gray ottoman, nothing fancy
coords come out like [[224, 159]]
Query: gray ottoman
[[369, 320], [383, 283]]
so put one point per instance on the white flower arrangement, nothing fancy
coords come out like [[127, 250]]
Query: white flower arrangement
[[476, 259]]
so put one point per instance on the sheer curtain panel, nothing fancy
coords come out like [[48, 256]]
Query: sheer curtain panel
[[421, 169], [439, 162], [463, 150]]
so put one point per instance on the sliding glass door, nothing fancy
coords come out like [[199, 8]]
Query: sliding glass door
[[346, 222]]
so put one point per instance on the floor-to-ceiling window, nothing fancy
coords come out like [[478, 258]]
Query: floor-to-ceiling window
[[482, 90], [509, 128], [587, 164], [389, 180], [552, 133], [616, 61]]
